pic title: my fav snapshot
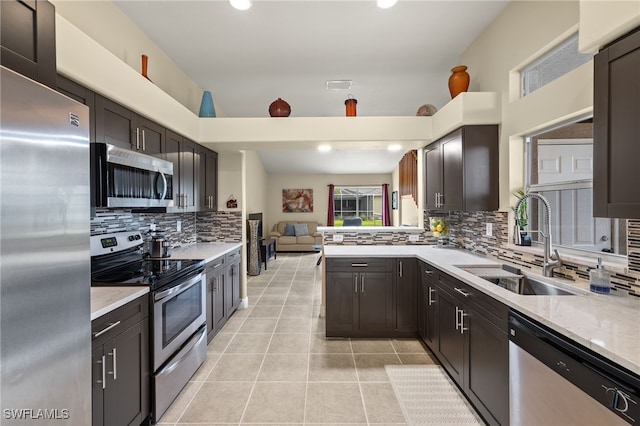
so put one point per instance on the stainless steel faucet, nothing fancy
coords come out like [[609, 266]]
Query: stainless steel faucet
[[551, 260]]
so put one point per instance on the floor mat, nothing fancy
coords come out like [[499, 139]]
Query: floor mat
[[428, 397]]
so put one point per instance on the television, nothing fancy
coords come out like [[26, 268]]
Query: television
[[258, 217]]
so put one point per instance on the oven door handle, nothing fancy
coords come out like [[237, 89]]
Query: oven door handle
[[177, 289], [184, 352]]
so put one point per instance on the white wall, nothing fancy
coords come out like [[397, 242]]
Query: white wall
[[256, 185], [320, 193], [230, 179], [517, 36], [104, 22]]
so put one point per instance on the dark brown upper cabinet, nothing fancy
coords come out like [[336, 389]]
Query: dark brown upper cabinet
[[28, 39], [80, 94], [616, 123], [208, 182], [461, 170]]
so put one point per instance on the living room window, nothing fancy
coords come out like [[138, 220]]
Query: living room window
[[358, 206]]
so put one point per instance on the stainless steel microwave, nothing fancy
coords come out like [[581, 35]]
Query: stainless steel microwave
[[124, 178]]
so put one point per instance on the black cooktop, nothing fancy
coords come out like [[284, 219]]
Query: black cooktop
[[155, 273]]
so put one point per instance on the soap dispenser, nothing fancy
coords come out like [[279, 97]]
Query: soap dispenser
[[599, 279]]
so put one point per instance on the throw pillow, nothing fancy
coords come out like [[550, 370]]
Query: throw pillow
[[301, 229], [289, 230]]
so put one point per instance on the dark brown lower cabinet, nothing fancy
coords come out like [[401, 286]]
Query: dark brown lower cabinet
[[406, 295], [427, 299], [473, 346], [120, 365], [216, 312], [232, 282], [359, 298]]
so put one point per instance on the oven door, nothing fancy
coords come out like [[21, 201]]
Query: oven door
[[178, 312]]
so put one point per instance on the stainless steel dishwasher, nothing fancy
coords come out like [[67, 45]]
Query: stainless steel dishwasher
[[555, 381]]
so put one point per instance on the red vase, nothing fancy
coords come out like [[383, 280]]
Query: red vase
[[458, 81], [279, 108]]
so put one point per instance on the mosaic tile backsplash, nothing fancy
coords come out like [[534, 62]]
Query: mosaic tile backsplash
[[195, 227], [468, 232]]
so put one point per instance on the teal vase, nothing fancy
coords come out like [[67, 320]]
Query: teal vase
[[206, 107]]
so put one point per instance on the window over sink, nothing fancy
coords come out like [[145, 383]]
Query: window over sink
[[559, 166]]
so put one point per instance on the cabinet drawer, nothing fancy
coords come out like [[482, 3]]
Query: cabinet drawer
[[491, 309], [233, 256], [217, 263], [357, 264], [115, 322]]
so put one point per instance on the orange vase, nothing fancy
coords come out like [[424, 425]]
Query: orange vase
[[145, 62], [458, 81]]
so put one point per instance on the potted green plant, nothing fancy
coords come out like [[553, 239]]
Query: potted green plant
[[522, 215]]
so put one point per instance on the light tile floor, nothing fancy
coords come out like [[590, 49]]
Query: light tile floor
[[271, 363]]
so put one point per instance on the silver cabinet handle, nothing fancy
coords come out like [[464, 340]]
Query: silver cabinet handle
[[465, 294], [457, 318], [144, 141], [359, 265], [104, 373], [355, 283], [362, 284], [186, 200], [428, 272], [462, 315], [114, 372], [137, 138], [109, 327], [441, 199], [431, 291], [217, 265], [400, 271]]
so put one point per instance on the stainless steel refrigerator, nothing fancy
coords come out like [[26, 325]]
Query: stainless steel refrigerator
[[45, 325]]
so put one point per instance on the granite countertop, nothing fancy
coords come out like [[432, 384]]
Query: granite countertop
[[106, 299], [609, 325], [206, 251]]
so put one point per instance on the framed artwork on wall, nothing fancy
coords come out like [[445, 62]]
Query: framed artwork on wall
[[297, 200], [394, 200]]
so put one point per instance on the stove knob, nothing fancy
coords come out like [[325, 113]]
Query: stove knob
[[132, 237], [138, 236]]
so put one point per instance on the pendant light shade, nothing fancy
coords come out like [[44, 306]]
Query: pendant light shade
[[240, 4]]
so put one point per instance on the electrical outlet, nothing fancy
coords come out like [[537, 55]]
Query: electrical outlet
[[178, 226], [337, 238], [489, 230], [414, 237]]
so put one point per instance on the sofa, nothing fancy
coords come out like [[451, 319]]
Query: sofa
[[291, 235]]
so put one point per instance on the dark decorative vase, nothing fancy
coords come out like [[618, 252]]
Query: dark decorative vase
[[145, 63], [279, 108], [458, 81]]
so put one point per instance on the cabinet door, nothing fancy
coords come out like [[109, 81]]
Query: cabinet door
[[486, 378], [208, 180], [151, 136], [234, 287], [115, 124], [97, 387], [433, 175], [189, 159], [342, 290], [451, 343], [376, 304], [127, 377], [452, 175], [429, 280], [219, 314], [28, 38], [406, 321], [616, 110], [422, 307], [172, 147]]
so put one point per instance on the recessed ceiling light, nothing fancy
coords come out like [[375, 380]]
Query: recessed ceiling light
[[324, 148], [339, 84], [394, 147], [240, 4], [386, 4]]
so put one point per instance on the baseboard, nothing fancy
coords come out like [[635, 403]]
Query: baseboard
[[244, 303]]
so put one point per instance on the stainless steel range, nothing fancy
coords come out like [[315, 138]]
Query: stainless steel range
[[178, 308]]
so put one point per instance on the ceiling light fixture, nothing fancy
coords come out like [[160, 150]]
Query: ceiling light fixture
[[240, 4], [394, 147], [324, 148], [339, 84], [386, 4]]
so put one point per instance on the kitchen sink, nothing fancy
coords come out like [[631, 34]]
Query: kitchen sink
[[514, 280]]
